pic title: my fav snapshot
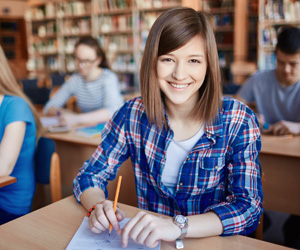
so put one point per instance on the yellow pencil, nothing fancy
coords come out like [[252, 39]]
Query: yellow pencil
[[116, 200]]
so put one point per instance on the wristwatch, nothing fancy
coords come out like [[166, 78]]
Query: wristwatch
[[182, 222]]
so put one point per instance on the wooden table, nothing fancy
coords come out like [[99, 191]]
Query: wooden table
[[53, 226], [7, 180], [74, 150], [280, 161]]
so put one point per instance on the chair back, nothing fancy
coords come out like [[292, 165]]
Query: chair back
[[37, 94], [258, 233], [47, 167]]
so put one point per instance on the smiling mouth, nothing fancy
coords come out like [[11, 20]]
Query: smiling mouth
[[179, 86]]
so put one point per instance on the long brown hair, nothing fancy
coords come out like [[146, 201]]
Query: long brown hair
[[93, 43], [172, 30], [9, 86]]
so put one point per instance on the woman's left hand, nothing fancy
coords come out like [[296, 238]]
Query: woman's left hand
[[148, 229], [69, 118]]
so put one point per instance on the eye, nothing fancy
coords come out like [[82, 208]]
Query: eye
[[294, 64], [194, 61], [167, 60]]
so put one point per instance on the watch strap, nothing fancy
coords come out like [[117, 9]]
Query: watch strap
[[179, 244]]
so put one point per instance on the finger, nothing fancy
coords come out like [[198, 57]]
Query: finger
[[94, 224], [142, 236], [111, 216], [152, 240], [120, 214], [277, 129], [101, 217], [128, 227]]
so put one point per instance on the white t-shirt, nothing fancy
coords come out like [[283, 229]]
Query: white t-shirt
[[175, 156]]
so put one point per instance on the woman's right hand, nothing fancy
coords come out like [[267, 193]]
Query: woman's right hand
[[104, 214]]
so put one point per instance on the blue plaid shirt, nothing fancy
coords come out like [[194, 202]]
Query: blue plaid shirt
[[220, 174]]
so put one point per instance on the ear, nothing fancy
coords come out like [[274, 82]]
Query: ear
[[99, 60]]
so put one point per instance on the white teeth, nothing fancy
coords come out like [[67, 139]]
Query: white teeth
[[179, 86]]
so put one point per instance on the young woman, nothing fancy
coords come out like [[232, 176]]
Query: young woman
[[95, 87], [194, 154], [19, 127]]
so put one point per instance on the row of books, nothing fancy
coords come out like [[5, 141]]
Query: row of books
[[42, 30], [51, 63], [74, 8], [115, 23], [146, 20], [76, 27], [147, 4], [117, 43], [287, 10], [105, 5], [48, 46], [51, 10], [267, 60], [222, 20], [124, 63], [269, 36]]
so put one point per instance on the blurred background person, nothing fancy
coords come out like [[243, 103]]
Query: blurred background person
[[95, 86], [19, 130], [276, 93]]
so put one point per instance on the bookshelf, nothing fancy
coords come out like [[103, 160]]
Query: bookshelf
[[222, 12], [121, 26], [273, 15], [13, 42]]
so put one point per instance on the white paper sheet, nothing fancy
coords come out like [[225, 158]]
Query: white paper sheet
[[51, 121], [84, 239]]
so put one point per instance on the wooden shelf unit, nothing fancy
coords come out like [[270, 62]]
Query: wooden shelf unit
[[121, 27], [222, 12], [131, 21], [13, 42]]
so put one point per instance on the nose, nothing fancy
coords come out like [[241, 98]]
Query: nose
[[179, 72], [287, 68]]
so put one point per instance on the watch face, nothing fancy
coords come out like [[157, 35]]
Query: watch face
[[180, 219]]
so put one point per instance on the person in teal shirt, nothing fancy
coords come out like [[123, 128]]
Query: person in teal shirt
[[19, 125]]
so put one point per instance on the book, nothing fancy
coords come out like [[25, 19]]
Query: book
[[90, 131]]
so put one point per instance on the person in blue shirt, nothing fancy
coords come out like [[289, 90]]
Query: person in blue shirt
[[19, 125], [276, 96], [194, 153], [276, 93]]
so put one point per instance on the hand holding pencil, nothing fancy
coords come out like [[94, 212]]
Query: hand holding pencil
[[115, 201]]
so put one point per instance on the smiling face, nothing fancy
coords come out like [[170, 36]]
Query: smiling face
[[86, 60], [288, 68], [181, 73]]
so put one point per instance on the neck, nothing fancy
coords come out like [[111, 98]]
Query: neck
[[285, 83], [1, 98], [94, 75]]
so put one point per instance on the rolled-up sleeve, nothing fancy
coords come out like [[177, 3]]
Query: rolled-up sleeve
[[106, 160], [242, 209]]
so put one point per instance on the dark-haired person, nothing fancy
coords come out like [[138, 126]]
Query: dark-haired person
[[95, 86], [276, 93], [194, 154]]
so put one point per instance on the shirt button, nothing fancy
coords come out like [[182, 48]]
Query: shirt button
[[188, 159], [216, 167], [180, 184]]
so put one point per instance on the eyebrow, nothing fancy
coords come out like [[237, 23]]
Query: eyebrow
[[296, 61], [196, 55]]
